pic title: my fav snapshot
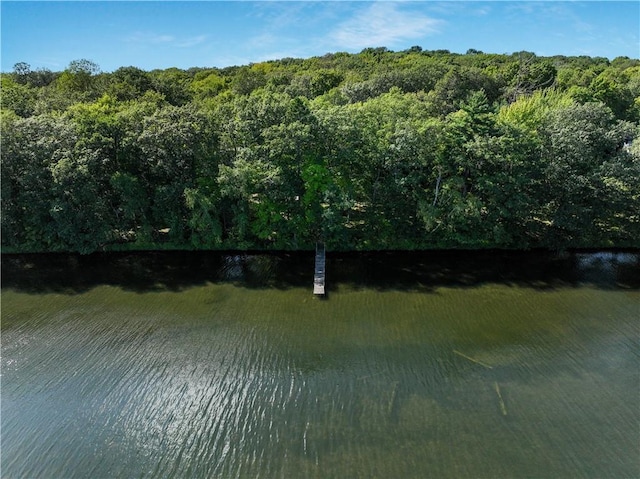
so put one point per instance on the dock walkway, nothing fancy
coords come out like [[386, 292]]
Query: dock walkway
[[320, 272]]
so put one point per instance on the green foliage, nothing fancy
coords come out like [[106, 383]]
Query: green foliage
[[17, 97], [248, 79], [208, 87], [381, 149], [581, 140], [128, 83], [530, 74], [206, 230], [173, 84], [529, 112], [79, 80]]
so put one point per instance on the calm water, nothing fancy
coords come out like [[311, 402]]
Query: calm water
[[461, 365]]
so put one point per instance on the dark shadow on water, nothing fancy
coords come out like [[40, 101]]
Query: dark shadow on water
[[153, 271], [405, 271], [425, 271]]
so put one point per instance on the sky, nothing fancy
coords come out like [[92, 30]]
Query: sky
[[184, 34]]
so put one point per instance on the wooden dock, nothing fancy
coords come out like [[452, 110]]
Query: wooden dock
[[320, 272]]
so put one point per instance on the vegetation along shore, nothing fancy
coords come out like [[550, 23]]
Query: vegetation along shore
[[412, 149]]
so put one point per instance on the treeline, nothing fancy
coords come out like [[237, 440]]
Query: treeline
[[376, 150]]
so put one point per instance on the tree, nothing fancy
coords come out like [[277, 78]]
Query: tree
[[378, 149], [31, 148], [530, 74], [17, 97], [173, 84], [21, 72], [127, 83], [611, 87], [455, 86], [77, 81], [177, 146], [580, 140], [531, 112], [203, 222], [131, 204], [242, 184], [209, 86], [80, 204], [248, 79]]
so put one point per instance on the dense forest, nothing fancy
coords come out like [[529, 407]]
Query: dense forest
[[413, 149]]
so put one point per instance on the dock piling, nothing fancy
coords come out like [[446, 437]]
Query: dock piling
[[319, 274]]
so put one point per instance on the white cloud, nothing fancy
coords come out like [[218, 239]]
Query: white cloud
[[541, 12], [147, 38], [150, 38], [303, 29], [482, 11], [262, 40], [191, 42], [384, 24]]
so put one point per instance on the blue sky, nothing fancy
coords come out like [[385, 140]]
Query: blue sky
[[186, 34]]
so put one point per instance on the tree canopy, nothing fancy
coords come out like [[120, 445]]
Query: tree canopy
[[376, 150]]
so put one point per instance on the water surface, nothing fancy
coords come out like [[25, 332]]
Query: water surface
[[451, 364]]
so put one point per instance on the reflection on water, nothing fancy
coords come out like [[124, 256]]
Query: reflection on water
[[451, 364]]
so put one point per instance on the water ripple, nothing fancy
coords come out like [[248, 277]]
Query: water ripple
[[229, 380]]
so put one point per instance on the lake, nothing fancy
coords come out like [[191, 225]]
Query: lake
[[448, 364]]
